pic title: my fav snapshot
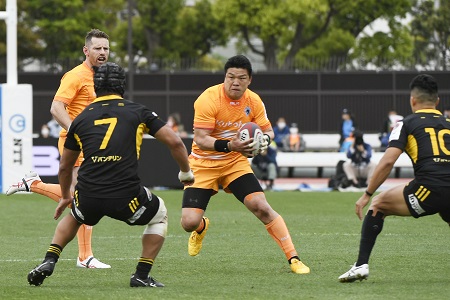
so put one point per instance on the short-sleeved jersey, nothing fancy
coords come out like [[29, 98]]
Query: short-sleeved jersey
[[76, 90], [425, 137], [109, 132], [224, 116]]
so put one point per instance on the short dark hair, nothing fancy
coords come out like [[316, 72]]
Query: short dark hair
[[95, 33], [239, 62], [425, 88], [109, 79]]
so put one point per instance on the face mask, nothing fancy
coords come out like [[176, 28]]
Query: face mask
[[293, 130], [281, 125], [170, 123]]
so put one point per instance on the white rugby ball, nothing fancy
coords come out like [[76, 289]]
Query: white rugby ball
[[252, 130]]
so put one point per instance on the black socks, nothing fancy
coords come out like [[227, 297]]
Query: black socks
[[371, 227]]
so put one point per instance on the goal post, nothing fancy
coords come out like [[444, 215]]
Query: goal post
[[16, 111]]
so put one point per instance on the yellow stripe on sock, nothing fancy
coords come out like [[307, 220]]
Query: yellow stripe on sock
[[146, 260], [55, 250]]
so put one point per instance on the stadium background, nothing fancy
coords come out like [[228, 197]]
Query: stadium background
[[313, 100]]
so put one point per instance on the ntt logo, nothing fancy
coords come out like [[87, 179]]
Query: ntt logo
[[17, 123]]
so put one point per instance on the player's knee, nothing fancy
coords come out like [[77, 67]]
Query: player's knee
[[376, 203], [263, 213], [259, 206], [158, 224], [190, 223]]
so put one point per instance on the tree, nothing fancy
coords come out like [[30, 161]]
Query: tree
[[61, 25], [54, 30], [385, 50], [28, 46], [287, 27], [431, 31], [172, 31]]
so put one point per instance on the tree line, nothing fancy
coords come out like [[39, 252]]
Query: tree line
[[298, 35]]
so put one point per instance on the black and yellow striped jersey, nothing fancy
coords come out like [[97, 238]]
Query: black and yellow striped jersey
[[109, 132], [425, 137]]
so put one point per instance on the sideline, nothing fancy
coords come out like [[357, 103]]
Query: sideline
[[321, 184]]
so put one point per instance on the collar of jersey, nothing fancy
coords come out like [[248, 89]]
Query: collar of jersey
[[429, 111], [108, 97]]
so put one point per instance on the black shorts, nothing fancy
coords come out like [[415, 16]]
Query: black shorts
[[427, 200], [135, 210], [240, 187]]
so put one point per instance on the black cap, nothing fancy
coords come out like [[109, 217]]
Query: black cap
[[345, 111], [109, 78]]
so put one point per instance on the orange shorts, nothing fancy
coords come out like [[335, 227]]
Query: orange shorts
[[209, 174], [61, 141]]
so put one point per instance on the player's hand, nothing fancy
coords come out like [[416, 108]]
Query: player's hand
[[254, 148], [63, 203], [243, 147], [264, 144], [186, 178], [360, 204]]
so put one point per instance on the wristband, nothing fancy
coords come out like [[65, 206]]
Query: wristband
[[368, 194], [268, 138], [221, 146]]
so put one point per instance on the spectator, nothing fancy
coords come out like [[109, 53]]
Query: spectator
[[265, 166], [447, 112], [388, 125], [174, 122], [348, 125], [359, 168], [296, 141], [347, 143], [51, 129], [281, 131], [45, 131]]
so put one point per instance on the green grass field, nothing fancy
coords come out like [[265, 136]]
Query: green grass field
[[239, 259]]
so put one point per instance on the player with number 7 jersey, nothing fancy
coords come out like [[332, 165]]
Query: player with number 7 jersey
[[109, 132], [75, 92]]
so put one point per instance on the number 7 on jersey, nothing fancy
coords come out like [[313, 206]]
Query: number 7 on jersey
[[112, 124]]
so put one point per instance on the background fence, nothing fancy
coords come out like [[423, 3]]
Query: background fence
[[313, 100]]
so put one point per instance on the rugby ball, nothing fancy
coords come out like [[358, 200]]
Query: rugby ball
[[252, 130]]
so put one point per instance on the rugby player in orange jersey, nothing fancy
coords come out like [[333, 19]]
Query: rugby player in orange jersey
[[76, 91], [218, 157]]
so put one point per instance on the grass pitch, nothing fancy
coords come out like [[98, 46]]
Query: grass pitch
[[239, 259]]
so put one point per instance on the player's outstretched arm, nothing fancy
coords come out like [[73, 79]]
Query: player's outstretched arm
[[178, 151]]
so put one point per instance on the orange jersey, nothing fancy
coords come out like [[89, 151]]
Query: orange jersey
[[76, 90], [224, 116]]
